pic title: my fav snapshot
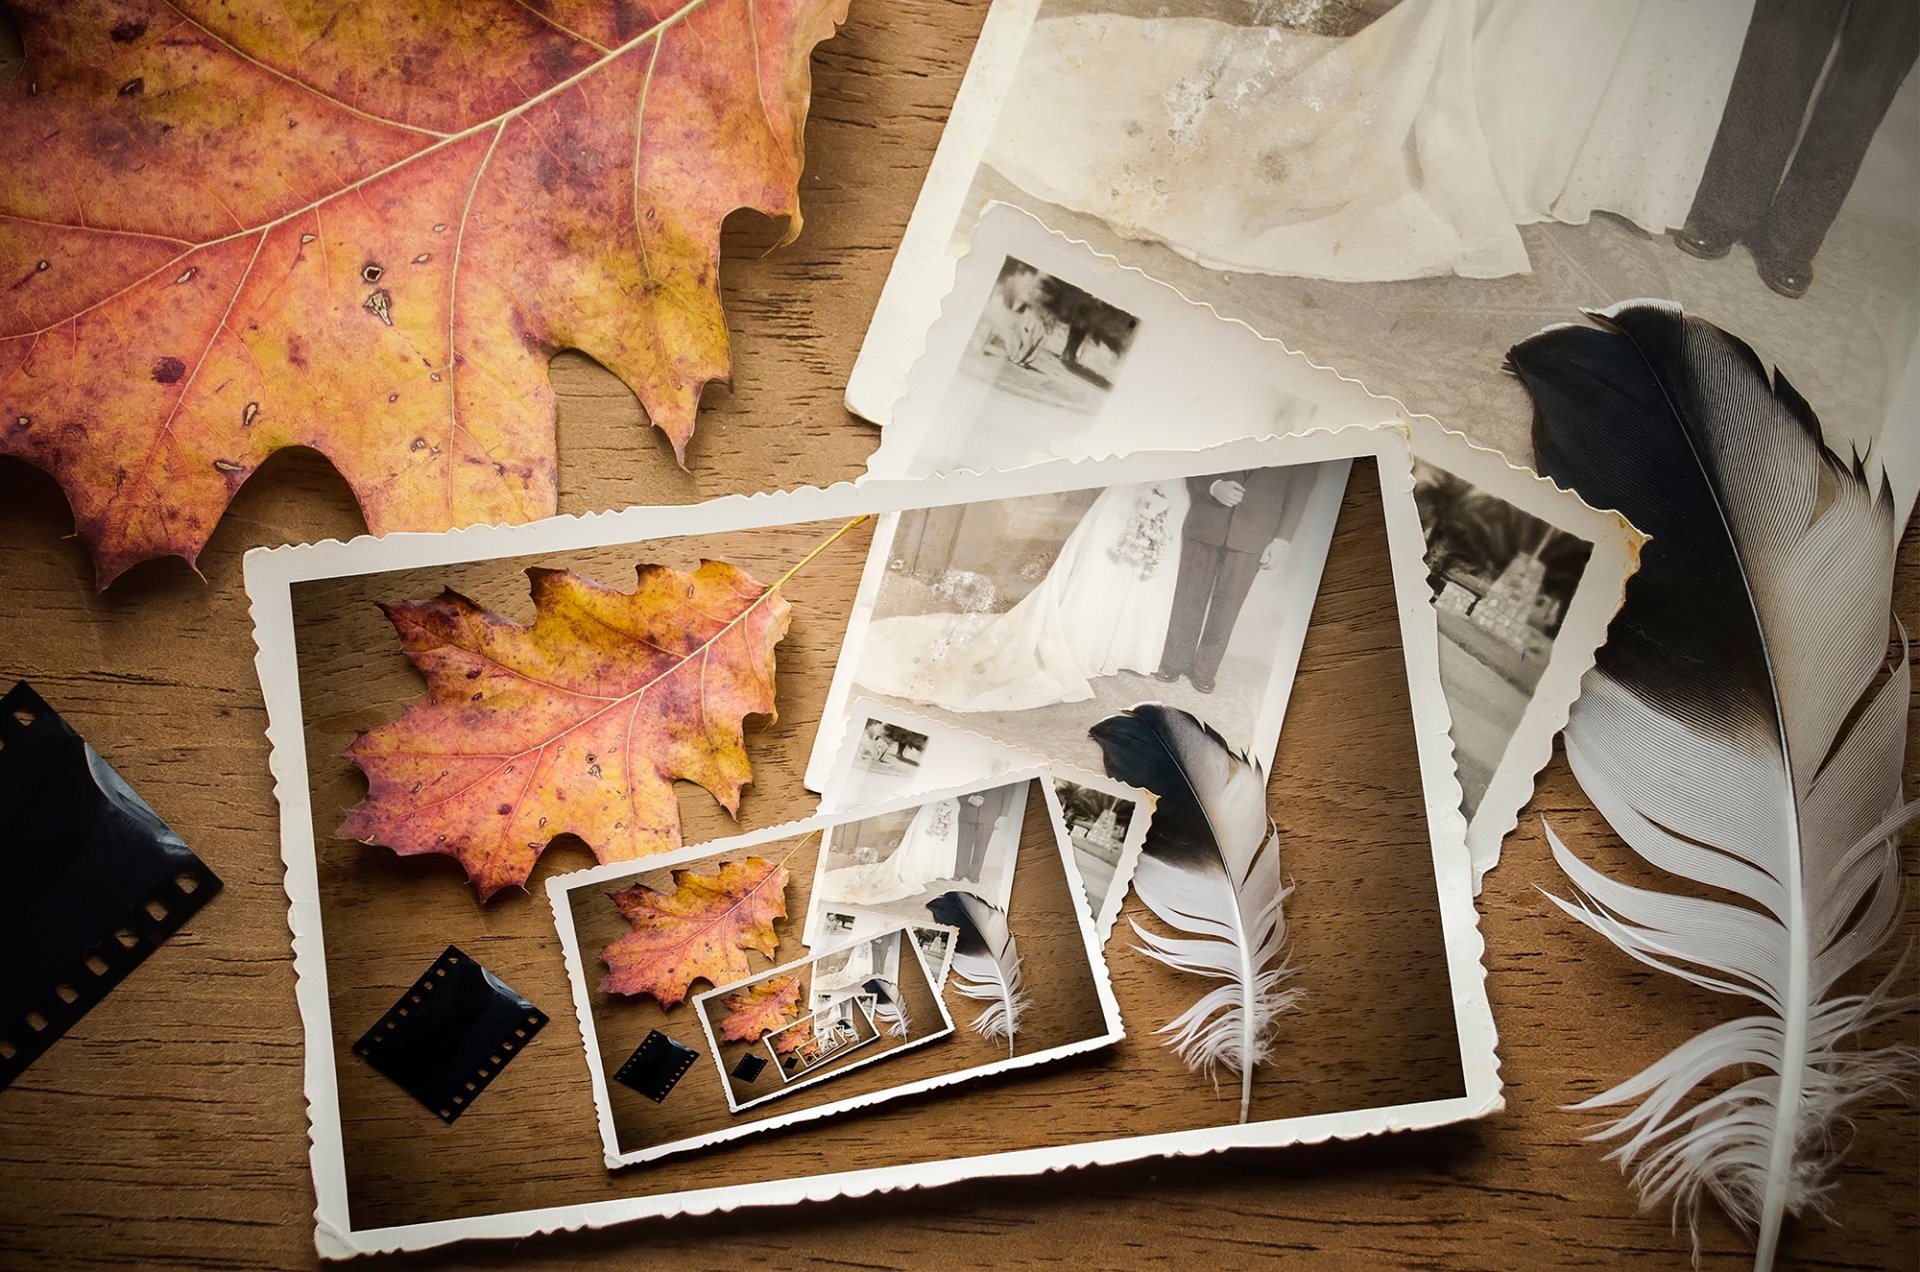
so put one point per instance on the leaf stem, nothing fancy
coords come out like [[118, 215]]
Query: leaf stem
[[828, 542]]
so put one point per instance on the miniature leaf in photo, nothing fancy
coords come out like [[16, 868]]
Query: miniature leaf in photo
[[701, 930], [580, 723], [365, 229], [760, 1008]]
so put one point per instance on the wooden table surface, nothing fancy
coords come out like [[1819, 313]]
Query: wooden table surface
[[158, 1133]]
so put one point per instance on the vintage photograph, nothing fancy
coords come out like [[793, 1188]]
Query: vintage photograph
[[1027, 620], [828, 1034], [893, 754], [1045, 340], [889, 750], [1435, 180], [1502, 581], [936, 949], [884, 869], [1097, 824], [849, 972]]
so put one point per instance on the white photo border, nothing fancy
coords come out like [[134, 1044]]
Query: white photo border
[[271, 575], [598, 877]]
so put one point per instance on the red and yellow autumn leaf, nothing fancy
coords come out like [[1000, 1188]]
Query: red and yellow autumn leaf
[[364, 228], [760, 1008], [798, 1043], [580, 723], [701, 930]]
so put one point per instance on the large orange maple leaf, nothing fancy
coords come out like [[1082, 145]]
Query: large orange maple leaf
[[701, 930], [580, 723], [364, 228]]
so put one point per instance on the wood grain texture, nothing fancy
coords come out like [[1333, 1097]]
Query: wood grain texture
[[1346, 794], [168, 1129]]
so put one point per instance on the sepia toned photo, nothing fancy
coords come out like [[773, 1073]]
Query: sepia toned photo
[[1502, 582], [1404, 189], [1026, 620], [1097, 827], [828, 1034], [882, 870], [845, 973], [889, 750], [1044, 340]]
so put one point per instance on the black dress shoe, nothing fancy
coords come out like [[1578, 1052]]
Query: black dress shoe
[[1708, 245], [1790, 279], [1203, 684], [1166, 677]]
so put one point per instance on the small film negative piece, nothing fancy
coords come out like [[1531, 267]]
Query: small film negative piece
[[95, 880], [750, 1067], [656, 1066], [448, 1037]]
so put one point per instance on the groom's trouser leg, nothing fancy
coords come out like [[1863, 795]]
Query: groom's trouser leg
[[973, 855], [1787, 44], [1877, 49], [1230, 587], [1199, 565]]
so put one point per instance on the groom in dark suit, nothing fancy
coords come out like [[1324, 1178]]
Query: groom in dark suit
[[977, 817], [1234, 529], [1792, 138]]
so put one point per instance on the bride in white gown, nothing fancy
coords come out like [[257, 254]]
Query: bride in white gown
[[928, 850], [1415, 147], [1102, 608]]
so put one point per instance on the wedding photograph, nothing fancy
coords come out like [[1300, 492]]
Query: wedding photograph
[[1027, 620], [1043, 339], [843, 973], [881, 871], [1502, 580], [1410, 187]]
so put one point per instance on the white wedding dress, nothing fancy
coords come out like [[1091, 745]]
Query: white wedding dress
[[1415, 147], [1098, 611], [928, 850]]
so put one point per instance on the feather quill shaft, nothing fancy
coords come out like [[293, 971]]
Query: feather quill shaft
[[1744, 729], [986, 962], [1210, 868], [888, 1007]]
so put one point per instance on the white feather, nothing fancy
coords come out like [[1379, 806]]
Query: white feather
[[1752, 744], [1211, 870], [887, 1007], [986, 963]]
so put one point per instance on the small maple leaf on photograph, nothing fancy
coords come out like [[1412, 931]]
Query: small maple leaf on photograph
[[579, 724], [760, 1008], [701, 930], [227, 229]]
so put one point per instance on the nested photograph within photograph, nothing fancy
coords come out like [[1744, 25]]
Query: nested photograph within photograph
[[1502, 580], [1041, 339], [868, 968], [1026, 620], [886, 868], [833, 1031]]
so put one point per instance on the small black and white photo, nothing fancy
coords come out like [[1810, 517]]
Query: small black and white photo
[[936, 947], [1097, 825], [894, 754], [1026, 620], [882, 870], [1044, 340], [1502, 580], [889, 749]]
